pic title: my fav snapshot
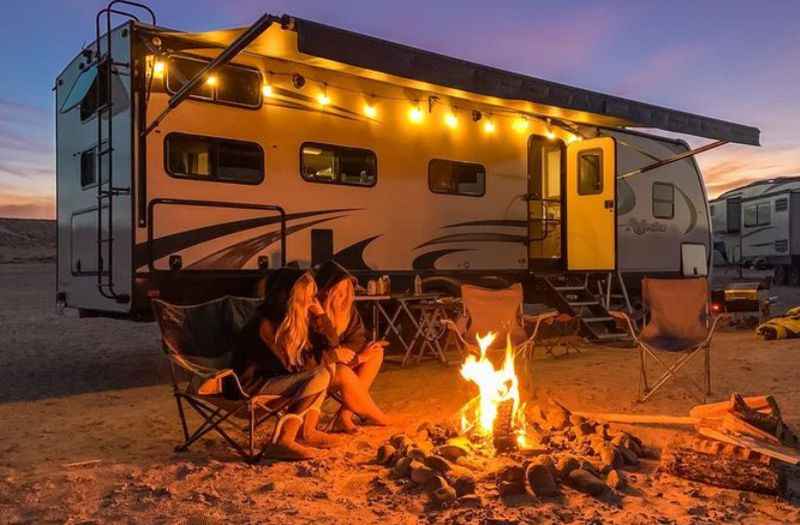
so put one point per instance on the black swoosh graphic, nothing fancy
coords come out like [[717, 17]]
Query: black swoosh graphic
[[427, 261], [491, 222], [176, 242], [352, 257], [748, 234], [237, 255], [692, 210], [476, 237]]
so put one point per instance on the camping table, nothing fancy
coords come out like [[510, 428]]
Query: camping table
[[423, 311]]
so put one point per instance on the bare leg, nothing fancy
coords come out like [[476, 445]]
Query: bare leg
[[366, 373], [286, 445], [356, 396], [314, 437]]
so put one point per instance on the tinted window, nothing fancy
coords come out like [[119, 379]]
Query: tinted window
[[209, 158], [338, 165], [590, 172], [97, 95], [758, 214], [88, 168], [781, 204], [663, 200], [734, 214], [456, 178], [235, 84]]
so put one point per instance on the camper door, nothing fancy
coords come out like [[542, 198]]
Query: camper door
[[591, 191]]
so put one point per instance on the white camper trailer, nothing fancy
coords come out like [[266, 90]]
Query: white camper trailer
[[189, 164], [760, 224]]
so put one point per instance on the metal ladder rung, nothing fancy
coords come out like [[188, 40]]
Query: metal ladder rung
[[600, 319], [584, 303], [569, 288]]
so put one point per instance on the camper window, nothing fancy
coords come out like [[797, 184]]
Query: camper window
[[97, 94], [757, 214], [781, 204], [456, 178], [88, 168], [237, 85], [338, 165], [590, 172], [209, 158], [663, 200]]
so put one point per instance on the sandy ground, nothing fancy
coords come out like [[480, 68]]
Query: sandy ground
[[77, 390]]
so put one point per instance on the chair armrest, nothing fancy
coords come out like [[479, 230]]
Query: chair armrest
[[208, 376], [538, 318], [623, 316]]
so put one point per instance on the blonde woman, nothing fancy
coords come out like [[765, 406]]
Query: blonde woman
[[343, 330], [274, 359]]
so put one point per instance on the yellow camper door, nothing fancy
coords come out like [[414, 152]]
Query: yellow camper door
[[591, 220]]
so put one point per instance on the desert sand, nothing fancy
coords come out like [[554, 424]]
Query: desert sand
[[88, 426]]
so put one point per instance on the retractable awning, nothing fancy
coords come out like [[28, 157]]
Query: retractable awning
[[318, 41]]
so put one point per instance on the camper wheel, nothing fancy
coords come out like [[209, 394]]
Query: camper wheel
[[779, 274], [794, 275]]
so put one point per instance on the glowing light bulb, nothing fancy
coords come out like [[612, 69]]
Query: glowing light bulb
[[574, 138], [211, 81], [550, 135], [415, 114], [266, 90], [323, 99], [451, 120], [521, 124], [370, 110], [488, 126], [159, 68]]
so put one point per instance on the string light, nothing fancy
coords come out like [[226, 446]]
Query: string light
[[159, 68], [211, 81], [415, 114], [488, 125], [450, 120], [549, 133], [323, 98], [521, 124], [266, 90]]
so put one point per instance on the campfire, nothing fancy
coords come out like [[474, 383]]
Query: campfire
[[495, 417]]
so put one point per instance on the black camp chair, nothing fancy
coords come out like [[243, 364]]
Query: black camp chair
[[199, 341]]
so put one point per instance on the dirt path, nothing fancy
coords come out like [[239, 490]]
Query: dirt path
[[77, 390]]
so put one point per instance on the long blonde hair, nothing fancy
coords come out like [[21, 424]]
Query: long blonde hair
[[338, 304], [291, 338]]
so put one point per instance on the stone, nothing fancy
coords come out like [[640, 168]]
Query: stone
[[615, 480], [470, 501], [610, 457], [547, 461], [419, 473], [438, 463], [557, 417], [541, 480], [508, 488], [628, 456], [402, 467], [386, 454], [511, 473], [464, 485], [591, 467], [416, 453], [435, 483], [586, 482], [455, 448], [397, 440], [576, 420], [444, 495], [567, 464]]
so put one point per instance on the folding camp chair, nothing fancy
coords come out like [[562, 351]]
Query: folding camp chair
[[500, 311], [199, 341], [679, 321]]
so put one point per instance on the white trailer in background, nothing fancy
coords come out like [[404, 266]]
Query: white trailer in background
[[190, 164], [759, 224]]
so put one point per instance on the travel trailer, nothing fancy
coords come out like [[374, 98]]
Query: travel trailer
[[759, 224], [192, 164]]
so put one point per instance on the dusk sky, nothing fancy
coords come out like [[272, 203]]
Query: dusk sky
[[735, 60]]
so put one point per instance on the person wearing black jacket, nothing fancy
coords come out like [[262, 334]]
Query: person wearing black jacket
[[344, 330]]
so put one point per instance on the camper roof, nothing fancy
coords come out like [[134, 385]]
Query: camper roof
[[330, 47], [762, 188]]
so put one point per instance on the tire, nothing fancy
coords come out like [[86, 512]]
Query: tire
[[794, 275], [779, 275]]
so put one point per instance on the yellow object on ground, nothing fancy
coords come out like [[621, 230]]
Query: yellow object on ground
[[783, 327]]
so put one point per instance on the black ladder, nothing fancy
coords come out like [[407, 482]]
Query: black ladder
[[104, 148], [572, 296]]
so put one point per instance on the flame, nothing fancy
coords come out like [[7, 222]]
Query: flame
[[494, 387]]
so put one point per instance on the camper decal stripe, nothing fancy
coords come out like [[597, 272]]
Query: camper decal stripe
[[176, 242], [476, 237], [759, 230], [492, 222], [427, 261], [237, 255], [692, 209], [352, 257]]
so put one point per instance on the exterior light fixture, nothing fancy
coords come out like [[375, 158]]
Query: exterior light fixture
[[476, 115], [159, 68], [323, 98], [450, 120], [370, 110], [211, 81], [521, 124], [266, 90], [488, 126], [415, 114], [298, 81], [549, 133]]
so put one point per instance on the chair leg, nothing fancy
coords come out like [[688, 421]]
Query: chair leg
[[708, 369], [183, 421], [643, 388], [252, 429]]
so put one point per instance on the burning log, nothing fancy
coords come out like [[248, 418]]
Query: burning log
[[503, 436]]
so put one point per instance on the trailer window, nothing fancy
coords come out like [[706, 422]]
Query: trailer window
[[456, 178], [237, 85], [338, 165], [782, 204], [663, 200], [590, 172], [213, 159], [758, 214], [97, 94], [88, 168]]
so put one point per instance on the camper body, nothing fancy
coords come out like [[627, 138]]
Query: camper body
[[760, 224], [277, 160]]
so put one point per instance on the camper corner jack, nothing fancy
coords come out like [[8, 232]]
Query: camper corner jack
[[228, 54]]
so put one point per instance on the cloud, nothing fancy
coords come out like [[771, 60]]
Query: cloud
[[27, 206], [734, 166]]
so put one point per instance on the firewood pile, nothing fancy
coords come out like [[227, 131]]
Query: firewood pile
[[742, 444], [565, 449]]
